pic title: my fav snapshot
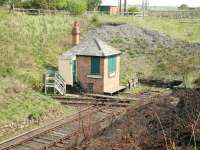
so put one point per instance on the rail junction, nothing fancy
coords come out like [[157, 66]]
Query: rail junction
[[98, 113]]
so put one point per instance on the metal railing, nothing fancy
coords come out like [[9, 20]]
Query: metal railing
[[152, 13], [64, 12], [57, 82], [175, 14], [60, 83], [40, 11]]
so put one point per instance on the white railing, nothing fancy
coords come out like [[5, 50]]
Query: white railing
[[40, 11], [175, 13], [64, 12], [60, 83], [57, 82], [156, 13]]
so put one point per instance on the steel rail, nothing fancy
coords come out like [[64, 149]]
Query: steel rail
[[10, 143]]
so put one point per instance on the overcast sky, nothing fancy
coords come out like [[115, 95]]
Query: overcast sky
[[191, 3]]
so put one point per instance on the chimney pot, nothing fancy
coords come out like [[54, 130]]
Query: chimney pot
[[76, 33]]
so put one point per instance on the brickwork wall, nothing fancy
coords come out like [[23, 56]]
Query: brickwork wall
[[103, 84], [114, 9], [83, 70]]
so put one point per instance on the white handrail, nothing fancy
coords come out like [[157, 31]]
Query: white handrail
[[57, 82]]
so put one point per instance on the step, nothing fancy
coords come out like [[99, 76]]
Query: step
[[50, 78]]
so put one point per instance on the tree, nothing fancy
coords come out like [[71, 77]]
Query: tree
[[77, 7], [11, 3], [40, 4], [133, 9], [183, 7], [45, 4], [92, 4]]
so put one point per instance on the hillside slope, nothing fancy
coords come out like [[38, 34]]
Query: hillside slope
[[151, 54], [183, 29], [29, 45]]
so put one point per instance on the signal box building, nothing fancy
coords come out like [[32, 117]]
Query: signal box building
[[92, 63], [109, 7]]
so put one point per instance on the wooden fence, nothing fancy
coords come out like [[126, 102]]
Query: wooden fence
[[137, 14], [40, 11], [53, 12], [169, 14], [176, 14]]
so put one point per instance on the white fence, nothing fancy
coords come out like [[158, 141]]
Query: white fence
[[40, 11], [52, 12], [176, 14], [168, 14]]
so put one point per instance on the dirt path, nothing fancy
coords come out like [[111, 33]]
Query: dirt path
[[155, 126]]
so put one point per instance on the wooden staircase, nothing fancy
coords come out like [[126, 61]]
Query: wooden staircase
[[56, 82]]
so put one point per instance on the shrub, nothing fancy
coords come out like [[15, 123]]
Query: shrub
[[95, 19], [183, 7], [76, 7], [42, 4], [92, 4], [25, 4], [133, 9]]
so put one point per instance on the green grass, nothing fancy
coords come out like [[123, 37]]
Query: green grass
[[29, 45], [189, 31], [162, 62], [142, 88]]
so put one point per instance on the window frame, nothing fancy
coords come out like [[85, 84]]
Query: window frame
[[112, 65], [95, 65]]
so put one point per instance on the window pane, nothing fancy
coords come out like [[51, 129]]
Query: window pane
[[112, 64], [95, 65]]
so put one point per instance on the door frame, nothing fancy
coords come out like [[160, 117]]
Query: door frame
[[74, 71], [90, 87]]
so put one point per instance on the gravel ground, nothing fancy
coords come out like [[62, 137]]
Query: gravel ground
[[156, 126], [131, 34], [169, 120], [150, 53]]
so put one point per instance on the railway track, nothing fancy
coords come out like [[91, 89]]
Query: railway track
[[66, 133], [97, 100], [70, 131]]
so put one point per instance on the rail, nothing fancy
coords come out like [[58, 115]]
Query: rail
[[20, 141], [105, 116], [37, 132]]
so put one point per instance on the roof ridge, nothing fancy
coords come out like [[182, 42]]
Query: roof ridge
[[97, 42], [92, 47], [99, 45]]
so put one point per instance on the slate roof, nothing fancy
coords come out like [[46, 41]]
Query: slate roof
[[91, 47]]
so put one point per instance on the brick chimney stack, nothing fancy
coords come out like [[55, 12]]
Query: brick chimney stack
[[76, 33]]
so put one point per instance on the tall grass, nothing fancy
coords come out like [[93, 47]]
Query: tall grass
[[29, 45], [189, 31]]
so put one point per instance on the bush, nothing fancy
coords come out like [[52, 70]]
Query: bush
[[183, 7], [77, 7], [25, 4], [92, 4], [133, 9], [42, 4], [95, 19]]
